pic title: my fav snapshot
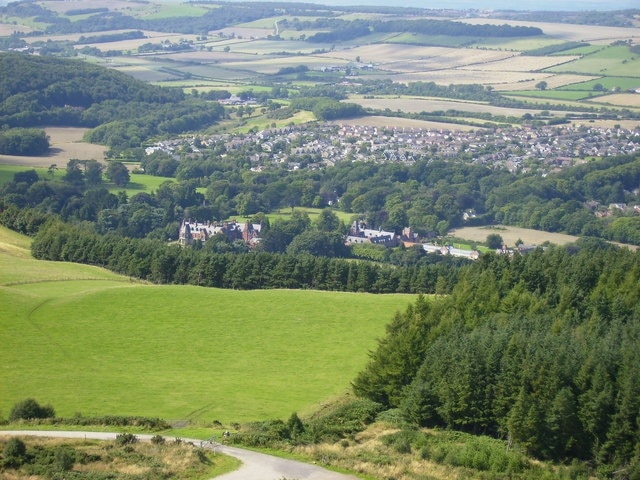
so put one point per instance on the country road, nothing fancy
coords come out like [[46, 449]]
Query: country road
[[255, 466]]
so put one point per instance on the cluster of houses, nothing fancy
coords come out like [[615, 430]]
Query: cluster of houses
[[359, 233], [547, 148], [249, 233], [613, 208]]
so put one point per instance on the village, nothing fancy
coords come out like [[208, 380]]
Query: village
[[520, 150]]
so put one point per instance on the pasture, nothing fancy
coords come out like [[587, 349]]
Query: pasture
[[609, 83], [571, 95], [88, 341], [285, 214], [139, 182], [612, 61], [262, 122]]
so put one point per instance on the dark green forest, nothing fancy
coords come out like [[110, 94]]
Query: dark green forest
[[342, 30], [540, 350]]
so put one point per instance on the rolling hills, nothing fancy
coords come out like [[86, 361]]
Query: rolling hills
[[91, 342]]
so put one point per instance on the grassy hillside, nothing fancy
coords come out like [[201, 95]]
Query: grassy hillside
[[86, 340]]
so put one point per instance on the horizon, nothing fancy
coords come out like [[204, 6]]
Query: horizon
[[523, 5]]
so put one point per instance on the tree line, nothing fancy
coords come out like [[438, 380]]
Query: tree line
[[429, 195], [539, 350], [342, 30], [23, 141], [155, 261]]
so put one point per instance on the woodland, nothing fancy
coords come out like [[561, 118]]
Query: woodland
[[537, 350], [543, 346]]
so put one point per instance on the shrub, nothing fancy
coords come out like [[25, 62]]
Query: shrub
[[126, 439], [29, 409], [14, 452], [350, 417], [157, 440], [393, 416], [64, 458]]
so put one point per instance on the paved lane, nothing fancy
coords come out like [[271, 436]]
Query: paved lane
[[255, 466]]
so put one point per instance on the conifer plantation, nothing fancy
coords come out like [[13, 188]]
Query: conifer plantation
[[540, 350]]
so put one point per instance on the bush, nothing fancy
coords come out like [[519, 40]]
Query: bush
[[126, 439], [65, 458], [14, 452], [341, 420], [29, 409]]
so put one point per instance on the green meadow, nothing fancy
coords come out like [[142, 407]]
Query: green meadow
[[610, 83], [285, 214], [610, 61], [559, 94], [90, 342], [138, 182]]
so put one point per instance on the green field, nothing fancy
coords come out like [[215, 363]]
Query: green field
[[571, 95], [586, 50], [610, 61], [285, 214], [610, 83], [138, 183], [91, 342]]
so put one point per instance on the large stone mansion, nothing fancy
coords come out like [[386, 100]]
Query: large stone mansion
[[191, 231]]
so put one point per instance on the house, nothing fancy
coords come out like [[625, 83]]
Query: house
[[194, 231], [449, 250], [358, 233]]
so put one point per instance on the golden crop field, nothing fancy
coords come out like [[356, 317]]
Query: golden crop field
[[620, 99], [399, 57], [266, 47], [511, 234], [522, 63], [417, 105], [7, 29], [553, 81], [66, 144], [133, 44], [457, 76], [217, 55], [271, 65]]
